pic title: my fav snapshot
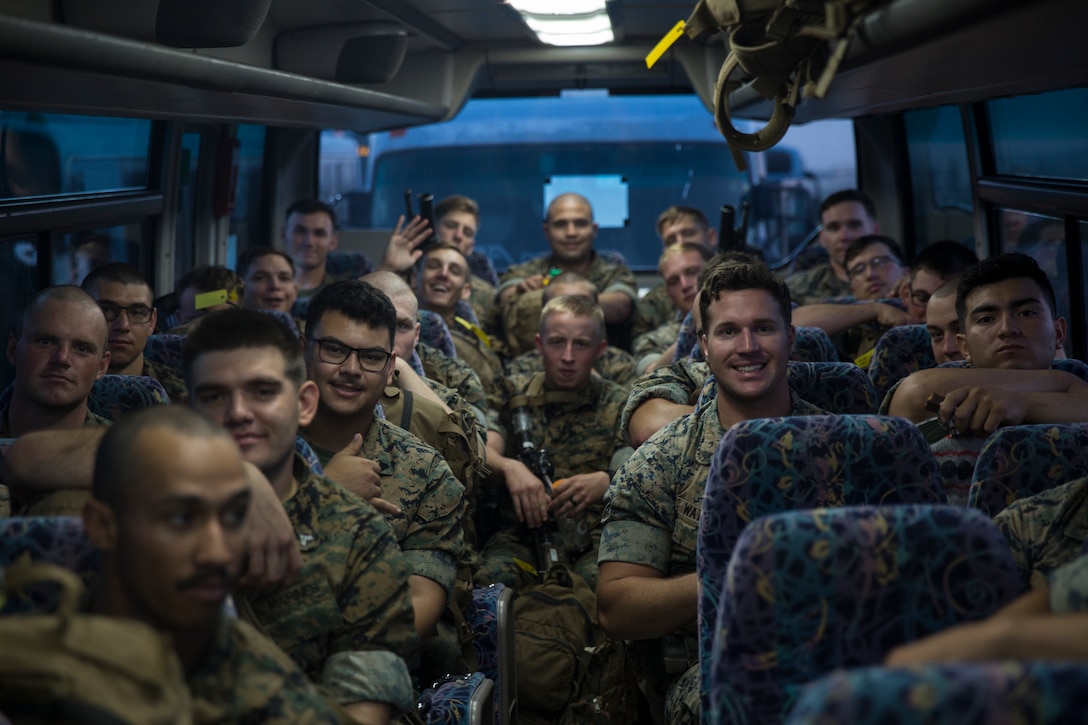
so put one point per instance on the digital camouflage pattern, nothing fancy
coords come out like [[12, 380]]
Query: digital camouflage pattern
[[580, 437], [474, 352], [244, 678], [816, 285], [347, 621], [607, 277], [653, 310], [651, 345], [170, 379], [1069, 587], [615, 364], [678, 383], [1047, 530], [651, 517]]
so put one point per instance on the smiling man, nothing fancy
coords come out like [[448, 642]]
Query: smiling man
[[269, 276], [648, 586], [844, 216]]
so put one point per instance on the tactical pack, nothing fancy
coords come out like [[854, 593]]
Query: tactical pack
[[70, 667], [784, 47], [569, 670]]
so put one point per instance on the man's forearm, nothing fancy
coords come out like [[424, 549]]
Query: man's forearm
[[652, 416], [834, 318], [47, 461], [369, 713], [637, 607], [616, 305]]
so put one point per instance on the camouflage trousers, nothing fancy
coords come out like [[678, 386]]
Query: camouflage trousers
[[498, 565], [682, 700]]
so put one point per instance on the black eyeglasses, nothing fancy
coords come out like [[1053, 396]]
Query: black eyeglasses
[[137, 314], [335, 352], [875, 263]]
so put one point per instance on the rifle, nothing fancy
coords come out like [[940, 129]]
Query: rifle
[[426, 212]]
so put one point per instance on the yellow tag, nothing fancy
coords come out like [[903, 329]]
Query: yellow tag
[[216, 297], [863, 360], [664, 44], [525, 566]]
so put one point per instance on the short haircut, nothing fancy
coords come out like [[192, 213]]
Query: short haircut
[[568, 279], [998, 269], [567, 195], [311, 206], [738, 277], [840, 197], [730, 256], [945, 258], [118, 272], [681, 247], [948, 289], [114, 470], [457, 203], [677, 212], [860, 244], [577, 306], [234, 329], [252, 254], [445, 245], [357, 300], [58, 293], [209, 278]]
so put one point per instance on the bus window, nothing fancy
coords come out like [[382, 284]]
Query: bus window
[[75, 254], [1043, 239], [940, 175], [244, 227], [1042, 135], [18, 270], [46, 154]]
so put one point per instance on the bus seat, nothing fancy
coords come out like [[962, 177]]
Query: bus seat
[[465, 312], [836, 387], [1022, 460], [899, 352], [303, 449], [812, 591], [811, 344], [56, 540], [480, 265], [491, 618], [434, 332], [347, 265], [416, 364], [114, 395], [165, 350], [1070, 365], [974, 693], [458, 700], [770, 465], [287, 320], [687, 341]]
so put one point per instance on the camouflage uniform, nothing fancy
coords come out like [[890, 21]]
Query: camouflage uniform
[[615, 364], [649, 346], [482, 300], [1046, 530], [475, 351], [651, 518], [65, 502], [171, 381], [653, 310], [678, 383], [449, 372], [245, 678], [816, 285], [580, 437], [347, 620], [1069, 587]]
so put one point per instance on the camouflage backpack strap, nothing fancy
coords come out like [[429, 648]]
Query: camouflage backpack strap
[[535, 396]]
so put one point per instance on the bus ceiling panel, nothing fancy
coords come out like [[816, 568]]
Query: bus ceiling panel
[[925, 53], [96, 73]]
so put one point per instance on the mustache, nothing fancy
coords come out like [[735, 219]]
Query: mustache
[[214, 575]]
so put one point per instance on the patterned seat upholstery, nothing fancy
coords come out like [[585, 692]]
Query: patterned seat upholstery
[[836, 387], [964, 694], [433, 331], [51, 540], [286, 319], [303, 449], [114, 395], [480, 265], [165, 350], [1023, 460], [465, 312], [491, 618], [687, 341], [811, 591], [899, 352], [769, 465], [347, 265], [811, 344], [460, 700]]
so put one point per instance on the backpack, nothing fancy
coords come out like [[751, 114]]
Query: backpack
[[783, 47], [569, 670], [83, 668]]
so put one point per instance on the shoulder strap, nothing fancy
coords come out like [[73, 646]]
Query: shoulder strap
[[406, 413]]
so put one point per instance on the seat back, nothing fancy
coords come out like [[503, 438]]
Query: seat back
[[975, 693], [56, 540], [769, 465], [811, 344], [480, 265], [899, 352], [112, 396], [1023, 460], [836, 387], [433, 331], [491, 618], [304, 449], [687, 341], [811, 591], [347, 265], [165, 350]]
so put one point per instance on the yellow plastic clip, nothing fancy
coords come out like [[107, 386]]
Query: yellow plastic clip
[[664, 44], [215, 297]]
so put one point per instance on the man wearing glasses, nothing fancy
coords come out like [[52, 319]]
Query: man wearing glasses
[[934, 265], [126, 300], [350, 328]]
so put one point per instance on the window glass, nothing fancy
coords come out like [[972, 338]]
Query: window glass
[[1041, 135], [939, 175], [185, 230], [634, 156], [1042, 238], [244, 228], [18, 281], [46, 154], [77, 253]]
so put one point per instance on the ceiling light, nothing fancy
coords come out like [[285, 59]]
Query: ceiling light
[[567, 22]]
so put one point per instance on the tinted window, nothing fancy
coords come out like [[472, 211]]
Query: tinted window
[[940, 176], [1041, 135]]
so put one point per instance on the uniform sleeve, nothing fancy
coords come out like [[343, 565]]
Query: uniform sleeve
[[669, 383], [639, 510], [621, 279], [515, 274], [1069, 587], [1011, 522], [433, 541]]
